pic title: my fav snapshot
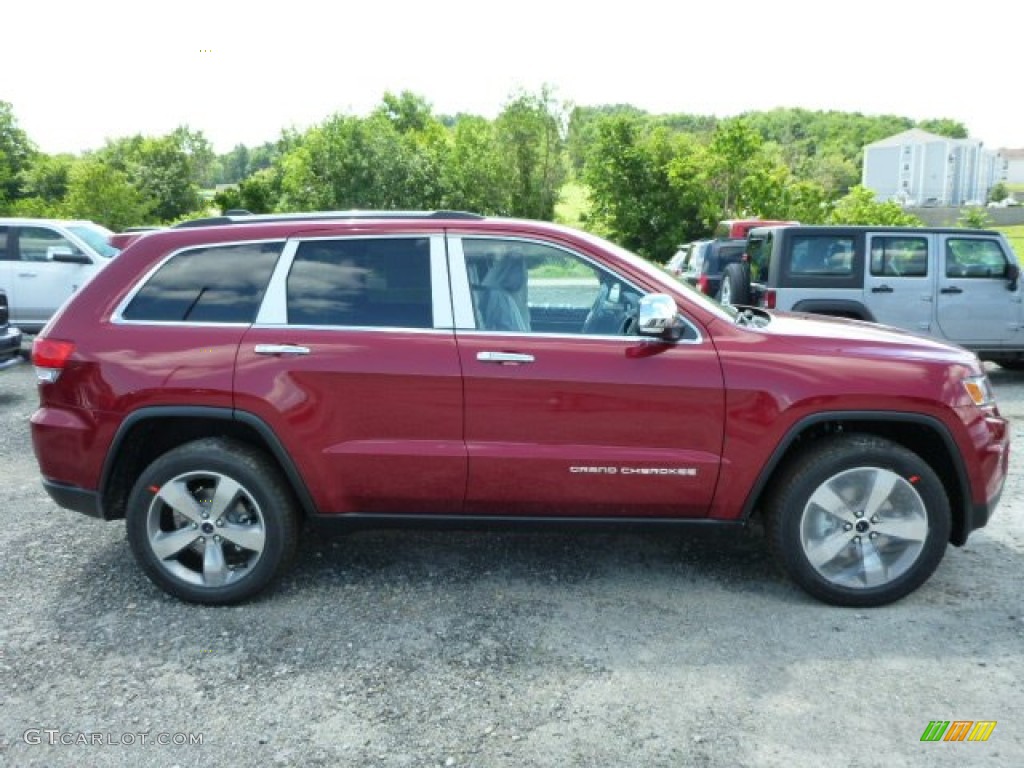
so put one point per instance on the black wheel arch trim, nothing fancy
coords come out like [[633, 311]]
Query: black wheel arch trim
[[834, 306], [973, 517], [263, 429]]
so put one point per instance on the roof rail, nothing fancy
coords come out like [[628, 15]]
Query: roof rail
[[244, 217]]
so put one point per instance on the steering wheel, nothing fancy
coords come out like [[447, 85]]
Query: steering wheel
[[595, 311]]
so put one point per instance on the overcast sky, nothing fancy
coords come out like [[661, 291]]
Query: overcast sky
[[78, 72]]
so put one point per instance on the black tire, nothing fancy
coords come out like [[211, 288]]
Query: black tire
[[850, 554], [735, 288], [222, 513]]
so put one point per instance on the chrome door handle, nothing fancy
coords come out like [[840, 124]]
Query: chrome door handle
[[28, 274], [503, 357], [280, 349]]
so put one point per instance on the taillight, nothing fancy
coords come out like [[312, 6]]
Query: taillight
[[49, 356], [768, 299], [704, 284]]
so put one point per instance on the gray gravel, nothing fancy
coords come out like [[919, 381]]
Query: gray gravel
[[496, 649]]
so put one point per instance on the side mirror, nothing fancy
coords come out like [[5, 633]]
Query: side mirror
[[66, 255], [1012, 275], [657, 316]]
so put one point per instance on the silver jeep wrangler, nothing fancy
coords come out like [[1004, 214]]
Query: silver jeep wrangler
[[961, 285]]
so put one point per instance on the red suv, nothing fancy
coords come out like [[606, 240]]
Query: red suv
[[220, 382]]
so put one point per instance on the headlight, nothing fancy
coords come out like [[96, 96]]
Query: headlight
[[979, 390]]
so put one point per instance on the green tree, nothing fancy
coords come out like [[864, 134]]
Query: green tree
[[353, 162], [582, 130], [734, 150], [531, 137], [974, 218], [408, 112], [474, 174], [104, 194], [260, 193], [943, 126], [16, 155], [860, 207], [48, 177], [998, 192], [643, 187], [166, 170]]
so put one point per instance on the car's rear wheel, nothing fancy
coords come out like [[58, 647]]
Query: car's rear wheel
[[858, 520], [212, 521], [735, 288]]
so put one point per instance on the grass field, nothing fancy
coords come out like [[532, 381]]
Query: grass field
[[1015, 235]]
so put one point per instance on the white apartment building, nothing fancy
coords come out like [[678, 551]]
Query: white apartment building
[[917, 168]]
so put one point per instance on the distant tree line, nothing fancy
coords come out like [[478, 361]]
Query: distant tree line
[[652, 181]]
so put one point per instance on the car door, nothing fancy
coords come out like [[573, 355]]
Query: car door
[[567, 412], [352, 362], [899, 283], [977, 304], [38, 283]]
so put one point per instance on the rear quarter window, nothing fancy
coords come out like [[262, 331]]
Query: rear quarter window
[[826, 261], [216, 284]]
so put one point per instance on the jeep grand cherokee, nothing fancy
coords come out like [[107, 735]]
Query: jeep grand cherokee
[[220, 382]]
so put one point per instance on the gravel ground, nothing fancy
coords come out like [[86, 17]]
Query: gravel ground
[[496, 649]]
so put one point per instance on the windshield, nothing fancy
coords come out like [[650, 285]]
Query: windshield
[[97, 238], [659, 276]]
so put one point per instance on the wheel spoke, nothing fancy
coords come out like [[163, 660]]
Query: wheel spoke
[[168, 544], [224, 496], [881, 488], [833, 504], [215, 569], [824, 550], [875, 570], [251, 537], [176, 495], [912, 529]]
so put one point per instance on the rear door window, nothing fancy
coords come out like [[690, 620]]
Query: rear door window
[[899, 256], [362, 282]]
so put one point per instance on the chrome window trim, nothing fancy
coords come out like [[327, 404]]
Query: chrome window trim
[[638, 338], [273, 312], [440, 286], [462, 296], [117, 318], [357, 328], [462, 299]]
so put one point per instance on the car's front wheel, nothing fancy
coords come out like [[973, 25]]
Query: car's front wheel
[[858, 520], [212, 521]]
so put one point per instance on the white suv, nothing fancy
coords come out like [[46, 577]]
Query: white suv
[[44, 261], [960, 285]]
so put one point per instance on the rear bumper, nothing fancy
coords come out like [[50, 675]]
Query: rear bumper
[[73, 498]]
